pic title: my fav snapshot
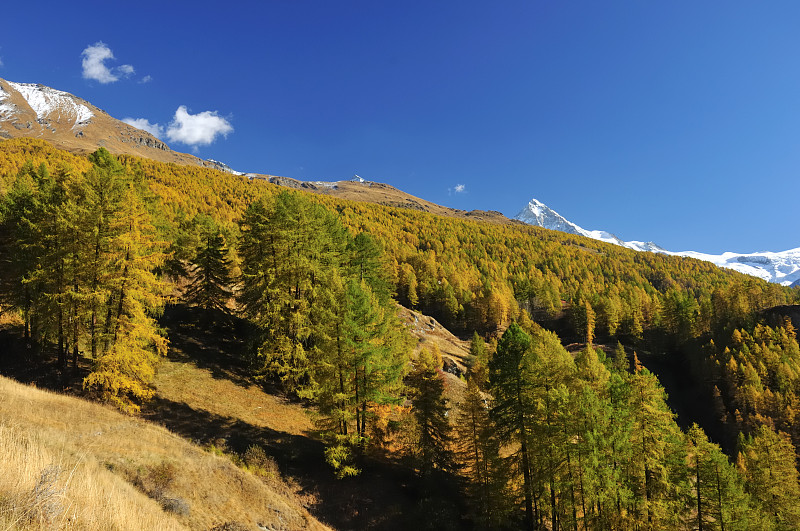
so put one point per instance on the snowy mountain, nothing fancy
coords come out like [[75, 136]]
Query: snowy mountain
[[48, 104], [538, 214], [780, 267], [30, 110]]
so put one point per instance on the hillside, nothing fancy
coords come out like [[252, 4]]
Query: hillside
[[358, 189], [68, 122], [69, 463], [95, 248]]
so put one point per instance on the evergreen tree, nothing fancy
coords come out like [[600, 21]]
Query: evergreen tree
[[430, 410], [210, 286], [510, 376]]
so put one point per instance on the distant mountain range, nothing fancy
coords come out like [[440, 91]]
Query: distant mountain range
[[779, 267], [74, 124]]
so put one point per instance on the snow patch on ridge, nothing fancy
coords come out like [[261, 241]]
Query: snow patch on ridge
[[50, 104], [6, 109]]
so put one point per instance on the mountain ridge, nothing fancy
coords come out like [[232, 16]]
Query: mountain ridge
[[779, 267], [33, 110], [72, 123]]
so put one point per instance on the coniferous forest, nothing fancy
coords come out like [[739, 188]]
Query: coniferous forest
[[560, 420]]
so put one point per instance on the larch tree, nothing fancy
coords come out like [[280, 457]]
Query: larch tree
[[210, 287], [478, 456], [291, 252], [768, 463], [721, 502], [510, 377], [430, 410]]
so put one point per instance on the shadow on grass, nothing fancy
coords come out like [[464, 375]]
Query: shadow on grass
[[211, 340], [384, 496], [38, 365], [380, 498]]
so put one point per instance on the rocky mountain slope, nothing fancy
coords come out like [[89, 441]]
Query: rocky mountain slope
[[74, 124], [780, 267]]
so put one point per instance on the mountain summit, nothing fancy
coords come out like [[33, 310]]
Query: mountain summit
[[538, 214], [781, 267], [71, 123]]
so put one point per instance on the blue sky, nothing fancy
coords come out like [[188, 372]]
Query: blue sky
[[676, 122]]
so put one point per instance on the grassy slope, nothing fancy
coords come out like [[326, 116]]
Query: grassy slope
[[98, 454], [203, 393]]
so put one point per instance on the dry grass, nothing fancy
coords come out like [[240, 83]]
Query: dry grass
[[68, 463], [180, 382]]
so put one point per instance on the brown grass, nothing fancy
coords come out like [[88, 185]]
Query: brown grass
[[71, 464]]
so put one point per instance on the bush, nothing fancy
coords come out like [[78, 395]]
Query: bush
[[259, 463], [159, 479], [177, 506]]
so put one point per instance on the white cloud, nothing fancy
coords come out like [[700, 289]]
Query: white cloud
[[1, 61], [457, 189], [145, 125], [126, 70], [94, 64], [199, 129], [146, 79]]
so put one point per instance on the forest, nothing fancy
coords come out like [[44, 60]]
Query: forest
[[559, 423]]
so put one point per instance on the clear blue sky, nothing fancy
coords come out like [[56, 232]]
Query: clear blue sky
[[677, 122]]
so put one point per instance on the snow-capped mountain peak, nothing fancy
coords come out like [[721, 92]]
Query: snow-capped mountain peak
[[780, 267], [538, 214], [49, 104]]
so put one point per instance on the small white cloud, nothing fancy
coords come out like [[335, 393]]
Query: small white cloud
[[94, 64], [146, 79], [1, 61], [145, 125], [457, 189], [126, 70], [199, 129]]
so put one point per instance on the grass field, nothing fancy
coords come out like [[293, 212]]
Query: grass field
[[71, 464]]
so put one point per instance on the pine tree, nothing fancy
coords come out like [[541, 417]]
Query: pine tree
[[211, 270], [430, 410], [510, 376]]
